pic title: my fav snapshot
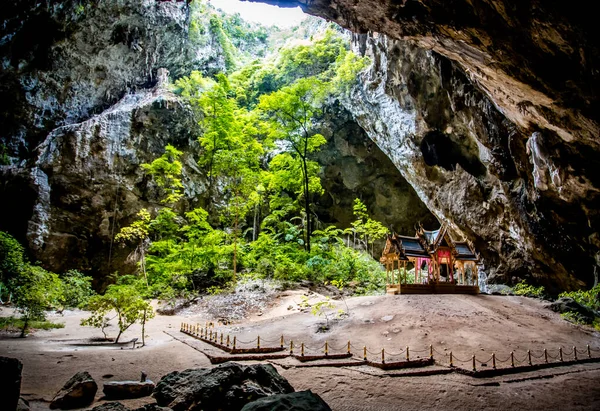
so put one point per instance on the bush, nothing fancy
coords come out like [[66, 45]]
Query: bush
[[34, 291], [589, 298], [13, 324], [77, 289], [527, 290], [12, 261]]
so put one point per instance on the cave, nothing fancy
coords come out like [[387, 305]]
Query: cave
[[440, 150], [454, 98]]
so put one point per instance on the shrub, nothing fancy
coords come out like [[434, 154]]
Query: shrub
[[77, 289], [527, 290], [34, 291], [589, 298]]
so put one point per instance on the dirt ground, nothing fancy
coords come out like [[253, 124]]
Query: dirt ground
[[465, 325]]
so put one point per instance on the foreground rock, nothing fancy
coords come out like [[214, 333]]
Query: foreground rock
[[23, 405], [566, 304], [120, 390], [227, 387], [78, 392], [10, 382], [117, 406], [111, 406], [295, 401]]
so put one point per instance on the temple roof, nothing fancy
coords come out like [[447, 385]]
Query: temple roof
[[411, 246], [464, 252]]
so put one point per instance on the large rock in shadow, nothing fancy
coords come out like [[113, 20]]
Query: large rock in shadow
[[227, 387], [295, 401], [118, 390], [567, 304], [10, 382], [78, 392]]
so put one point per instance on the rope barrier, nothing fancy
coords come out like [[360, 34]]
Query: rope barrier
[[484, 362], [218, 337], [459, 360]]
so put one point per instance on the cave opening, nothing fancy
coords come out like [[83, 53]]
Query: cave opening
[[439, 149]]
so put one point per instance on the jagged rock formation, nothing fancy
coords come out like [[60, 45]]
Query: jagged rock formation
[[86, 181], [63, 62], [490, 110], [354, 167]]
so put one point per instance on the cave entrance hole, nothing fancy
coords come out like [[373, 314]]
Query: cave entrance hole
[[439, 149]]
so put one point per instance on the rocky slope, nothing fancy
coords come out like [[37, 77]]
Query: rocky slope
[[86, 181], [63, 62], [490, 112], [354, 167]]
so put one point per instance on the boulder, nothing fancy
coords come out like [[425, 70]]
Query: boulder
[[10, 382], [295, 401], [567, 304], [227, 387], [111, 406], [152, 407], [120, 390], [78, 392]]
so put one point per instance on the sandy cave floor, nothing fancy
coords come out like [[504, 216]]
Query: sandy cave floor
[[465, 325]]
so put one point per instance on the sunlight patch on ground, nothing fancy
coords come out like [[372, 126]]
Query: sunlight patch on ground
[[262, 13]]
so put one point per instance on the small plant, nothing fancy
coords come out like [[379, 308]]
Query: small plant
[[527, 290], [319, 309]]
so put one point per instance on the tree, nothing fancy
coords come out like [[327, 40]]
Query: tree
[[166, 171], [138, 232], [125, 301], [12, 261], [291, 112], [35, 290], [365, 228]]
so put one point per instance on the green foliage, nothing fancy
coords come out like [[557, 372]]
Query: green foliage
[[13, 324], [166, 171], [364, 228], [125, 301], [4, 160], [229, 51], [77, 289], [138, 230], [527, 290], [259, 133], [12, 260], [320, 309], [33, 291], [589, 298]]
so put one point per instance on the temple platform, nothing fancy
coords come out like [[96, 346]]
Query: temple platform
[[437, 288]]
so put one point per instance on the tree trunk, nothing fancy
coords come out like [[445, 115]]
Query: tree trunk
[[25, 325], [118, 336], [143, 262], [144, 329], [235, 228], [306, 204]]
